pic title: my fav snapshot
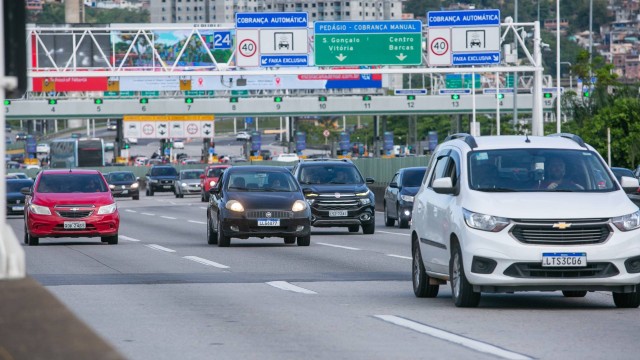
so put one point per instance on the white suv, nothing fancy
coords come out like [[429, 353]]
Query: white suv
[[502, 214]]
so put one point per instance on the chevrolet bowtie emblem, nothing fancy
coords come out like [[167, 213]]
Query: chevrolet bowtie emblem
[[561, 225]]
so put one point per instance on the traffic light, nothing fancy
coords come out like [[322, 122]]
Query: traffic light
[[126, 145], [366, 98], [586, 93], [411, 97], [322, 98], [52, 101], [500, 96], [7, 102], [455, 97], [233, 99], [144, 101], [277, 99], [548, 95], [188, 100], [97, 101]]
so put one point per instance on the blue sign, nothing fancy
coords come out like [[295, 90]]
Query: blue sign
[[411, 91], [221, 40], [495, 91], [256, 141], [388, 140], [344, 141], [31, 145], [454, 91], [301, 141], [489, 17], [284, 60], [212, 150], [433, 140], [478, 58], [272, 20], [553, 89], [248, 120], [368, 27]]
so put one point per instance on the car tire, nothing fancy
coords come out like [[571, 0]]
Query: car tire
[[574, 293], [149, 192], [304, 240], [177, 195], [387, 220], [136, 197], [461, 290], [111, 240], [354, 228], [223, 241], [202, 197], [627, 300], [212, 237], [420, 279], [369, 229], [32, 240], [403, 224], [289, 239]]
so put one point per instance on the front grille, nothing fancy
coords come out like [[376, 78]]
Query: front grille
[[580, 232], [166, 182], [74, 211], [536, 270], [275, 214], [331, 202]]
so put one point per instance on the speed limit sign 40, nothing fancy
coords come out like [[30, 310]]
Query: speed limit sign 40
[[439, 49], [247, 54]]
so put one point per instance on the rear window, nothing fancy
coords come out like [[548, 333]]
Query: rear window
[[71, 183], [17, 185], [215, 172]]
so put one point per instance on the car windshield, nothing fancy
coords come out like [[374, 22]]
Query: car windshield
[[330, 174], [15, 186], [71, 183], [215, 172], [193, 174], [413, 178], [164, 171], [275, 181], [113, 177], [527, 170]]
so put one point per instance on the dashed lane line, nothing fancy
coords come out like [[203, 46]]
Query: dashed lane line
[[148, 214], [339, 246], [393, 233], [400, 256], [203, 208], [283, 285], [129, 210], [197, 222], [127, 238], [454, 338], [160, 248], [206, 262], [168, 217]]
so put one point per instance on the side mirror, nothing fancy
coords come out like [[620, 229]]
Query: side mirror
[[629, 185], [137, 178], [370, 180], [25, 191], [202, 176], [393, 184], [443, 186]]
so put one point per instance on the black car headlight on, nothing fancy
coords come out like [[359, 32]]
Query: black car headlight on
[[407, 198], [134, 185], [484, 222], [627, 222], [299, 205], [111, 186], [234, 205]]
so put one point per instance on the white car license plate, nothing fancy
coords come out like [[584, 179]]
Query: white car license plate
[[166, 187], [125, 191], [564, 259], [333, 213], [268, 222], [17, 208], [75, 225]]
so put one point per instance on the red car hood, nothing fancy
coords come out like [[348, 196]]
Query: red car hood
[[97, 199]]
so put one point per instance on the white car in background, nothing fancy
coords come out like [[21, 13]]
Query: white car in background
[[42, 148], [132, 140], [178, 144], [243, 135], [287, 158]]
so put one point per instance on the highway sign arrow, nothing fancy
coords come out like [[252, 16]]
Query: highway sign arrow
[[401, 56], [264, 61], [341, 57], [496, 58], [207, 132], [162, 132]]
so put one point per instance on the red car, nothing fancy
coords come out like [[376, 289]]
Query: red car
[[209, 179], [70, 203]]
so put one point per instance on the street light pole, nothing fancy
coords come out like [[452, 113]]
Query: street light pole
[[590, 33], [558, 96], [570, 73]]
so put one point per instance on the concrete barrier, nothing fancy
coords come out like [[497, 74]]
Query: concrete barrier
[[12, 260]]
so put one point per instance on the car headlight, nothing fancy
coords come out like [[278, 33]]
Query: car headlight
[[212, 183], [298, 205], [108, 209], [234, 205], [40, 210], [407, 198], [363, 193], [183, 184], [627, 222], [484, 222], [134, 185], [111, 186], [366, 201]]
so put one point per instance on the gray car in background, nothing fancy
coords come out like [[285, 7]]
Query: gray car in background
[[188, 183]]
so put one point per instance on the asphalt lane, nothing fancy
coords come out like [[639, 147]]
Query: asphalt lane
[[164, 293]]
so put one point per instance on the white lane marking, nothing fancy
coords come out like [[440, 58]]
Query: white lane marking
[[161, 248], [127, 238], [393, 233], [205, 262], [129, 210], [338, 246], [172, 203], [203, 208], [197, 222], [454, 338], [283, 285], [168, 217], [400, 256], [148, 214]]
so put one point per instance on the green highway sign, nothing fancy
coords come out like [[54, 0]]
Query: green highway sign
[[127, 93], [111, 93], [460, 81], [118, 93], [243, 93], [149, 93], [339, 43], [199, 93]]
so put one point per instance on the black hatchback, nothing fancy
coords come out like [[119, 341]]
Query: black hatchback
[[398, 196], [257, 201], [123, 184], [15, 197]]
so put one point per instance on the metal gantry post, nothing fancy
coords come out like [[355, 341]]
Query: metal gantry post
[[537, 125]]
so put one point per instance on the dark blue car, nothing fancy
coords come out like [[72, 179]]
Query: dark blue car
[[398, 197], [15, 199]]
